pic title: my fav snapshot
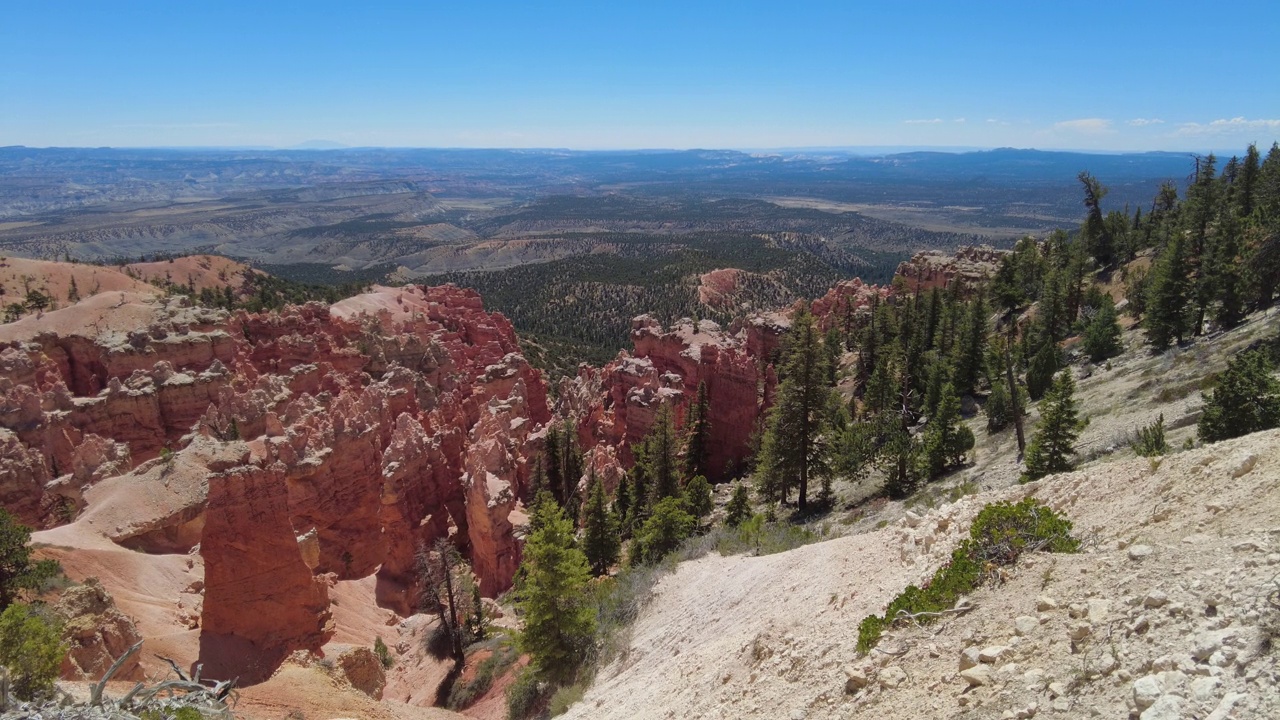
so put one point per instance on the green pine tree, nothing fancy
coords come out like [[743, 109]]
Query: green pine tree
[[17, 572], [790, 451], [972, 348], [666, 528], [697, 434], [1102, 334], [946, 438], [739, 507], [1246, 399], [559, 620], [1040, 371], [662, 464], [697, 497], [1096, 233], [833, 349], [31, 650], [1227, 273], [600, 540], [1168, 294], [1052, 447]]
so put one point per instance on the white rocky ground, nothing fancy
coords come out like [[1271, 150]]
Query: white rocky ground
[[1164, 615]]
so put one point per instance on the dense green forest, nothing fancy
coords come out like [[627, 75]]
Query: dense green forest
[[580, 308]]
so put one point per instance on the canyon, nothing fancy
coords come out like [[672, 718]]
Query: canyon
[[238, 487]]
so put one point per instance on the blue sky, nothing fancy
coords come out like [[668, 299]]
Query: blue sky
[[1107, 76]]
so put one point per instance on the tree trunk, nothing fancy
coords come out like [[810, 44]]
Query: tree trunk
[[1015, 400], [451, 623]]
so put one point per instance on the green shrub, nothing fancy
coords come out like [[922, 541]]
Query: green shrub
[[1151, 442], [998, 409], [999, 535], [17, 572], [527, 696], [564, 698], [384, 654], [697, 497], [463, 694], [1246, 399], [30, 647], [663, 532], [739, 507]]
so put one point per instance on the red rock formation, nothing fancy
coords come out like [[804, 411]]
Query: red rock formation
[[96, 634], [716, 289], [844, 302], [762, 334], [314, 444], [967, 267], [615, 406], [261, 601]]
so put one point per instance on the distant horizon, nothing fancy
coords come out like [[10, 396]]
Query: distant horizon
[[852, 150], [1146, 75]]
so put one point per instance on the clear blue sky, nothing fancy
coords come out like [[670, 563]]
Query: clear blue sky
[[1033, 73]]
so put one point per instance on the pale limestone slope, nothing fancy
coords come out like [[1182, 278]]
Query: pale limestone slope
[[774, 637]]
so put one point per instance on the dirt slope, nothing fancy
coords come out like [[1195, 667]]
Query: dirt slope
[[54, 279], [198, 271], [774, 637]]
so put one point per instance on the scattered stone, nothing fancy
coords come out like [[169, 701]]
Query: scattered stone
[[1024, 625], [1246, 546], [969, 658], [1139, 626], [1203, 689], [1027, 712], [1079, 631], [1045, 603], [1146, 690], [1099, 609], [1139, 552], [992, 654], [1057, 689], [1223, 711], [1172, 681], [857, 679], [1155, 599], [978, 675], [1166, 707], [892, 677], [1244, 465], [798, 714], [1206, 644], [1108, 664]]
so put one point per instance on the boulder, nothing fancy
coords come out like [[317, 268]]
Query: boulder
[[96, 634]]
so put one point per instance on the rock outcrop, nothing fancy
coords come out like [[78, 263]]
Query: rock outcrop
[[615, 406], [968, 267], [291, 450], [96, 634], [846, 303]]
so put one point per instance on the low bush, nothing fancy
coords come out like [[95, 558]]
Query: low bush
[[564, 698], [1000, 534], [1150, 441], [463, 694], [527, 697], [384, 654], [32, 650]]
